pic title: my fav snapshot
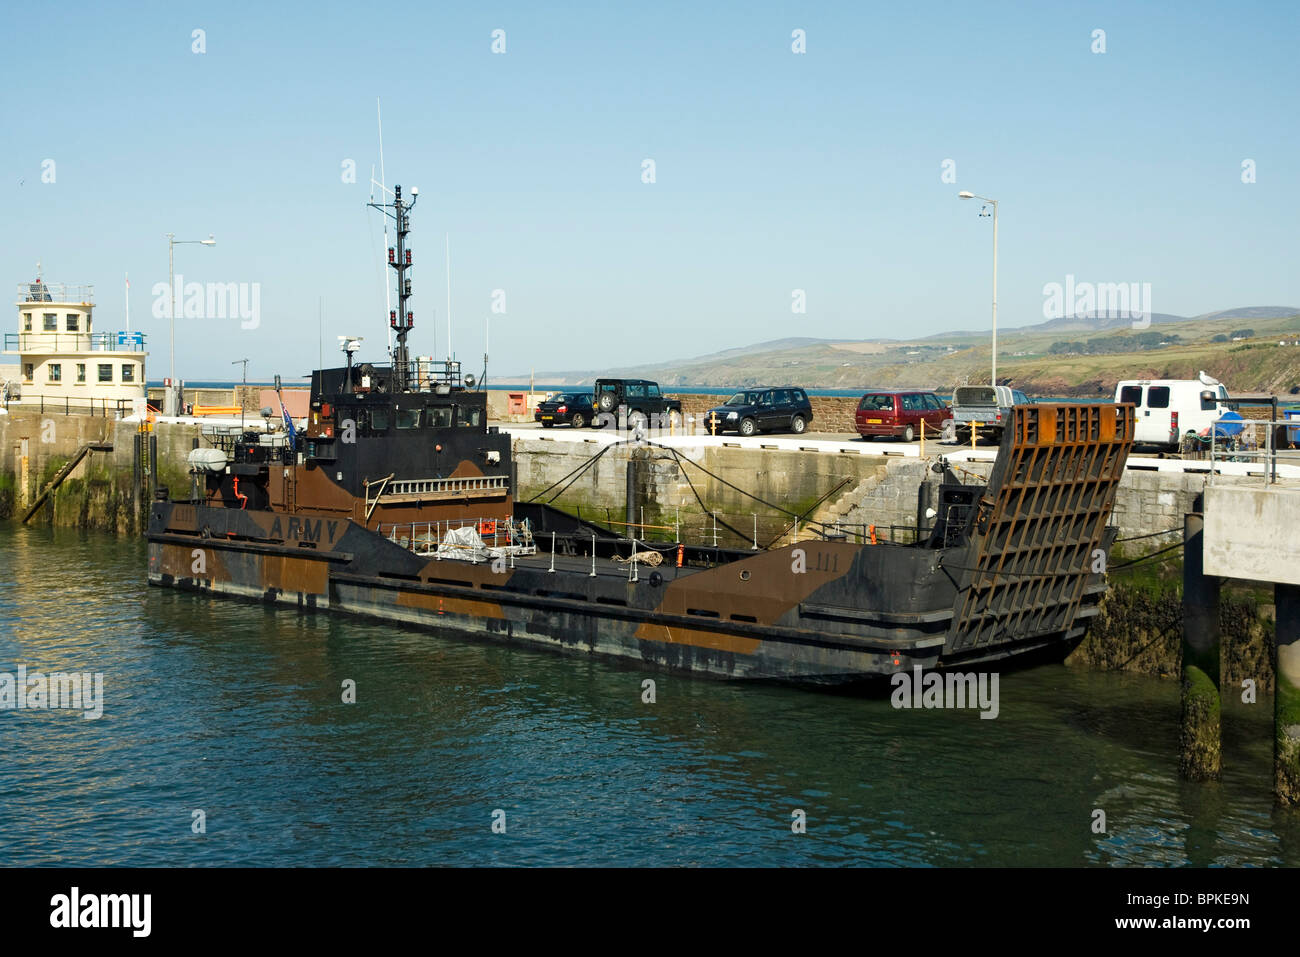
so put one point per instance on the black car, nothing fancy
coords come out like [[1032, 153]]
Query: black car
[[572, 407], [768, 409], [640, 398]]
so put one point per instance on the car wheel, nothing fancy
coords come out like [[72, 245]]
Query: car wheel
[[578, 420], [636, 420], [606, 402], [868, 438], [797, 425], [908, 434], [748, 427]]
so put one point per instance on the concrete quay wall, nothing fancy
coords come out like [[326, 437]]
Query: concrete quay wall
[[855, 490]]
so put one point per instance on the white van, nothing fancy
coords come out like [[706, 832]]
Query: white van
[[1167, 409]]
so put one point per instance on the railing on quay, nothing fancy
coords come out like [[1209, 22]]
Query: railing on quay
[[101, 408], [1279, 435]]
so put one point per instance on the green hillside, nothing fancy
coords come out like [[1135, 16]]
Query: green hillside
[[1040, 361]]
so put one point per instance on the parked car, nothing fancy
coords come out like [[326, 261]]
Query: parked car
[[767, 409], [640, 398], [575, 408], [900, 412], [986, 409], [1167, 409]]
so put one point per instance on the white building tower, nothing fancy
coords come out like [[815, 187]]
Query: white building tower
[[63, 364]]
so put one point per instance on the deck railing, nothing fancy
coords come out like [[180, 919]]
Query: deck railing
[[56, 292], [427, 538], [36, 341]]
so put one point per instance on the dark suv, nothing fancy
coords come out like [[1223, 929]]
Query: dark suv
[[641, 399], [784, 409]]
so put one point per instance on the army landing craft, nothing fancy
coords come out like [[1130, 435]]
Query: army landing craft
[[396, 501]]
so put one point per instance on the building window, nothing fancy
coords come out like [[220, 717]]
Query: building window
[[74, 321], [81, 372], [55, 372], [128, 372], [51, 322], [27, 322], [105, 372], [27, 371]]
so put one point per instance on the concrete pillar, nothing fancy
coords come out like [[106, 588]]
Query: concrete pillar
[[137, 478], [630, 517], [153, 468], [1200, 755], [24, 475], [1286, 698]]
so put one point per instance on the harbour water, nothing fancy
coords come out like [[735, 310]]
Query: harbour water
[[236, 710]]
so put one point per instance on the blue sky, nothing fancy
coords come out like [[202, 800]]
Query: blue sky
[[774, 171]]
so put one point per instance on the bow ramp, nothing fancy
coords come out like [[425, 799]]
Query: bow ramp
[[1039, 538]]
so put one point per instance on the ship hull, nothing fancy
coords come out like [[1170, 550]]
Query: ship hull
[[818, 612], [1010, 570]]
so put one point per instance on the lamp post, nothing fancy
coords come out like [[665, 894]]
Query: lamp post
[[173, 242], [968, 195]]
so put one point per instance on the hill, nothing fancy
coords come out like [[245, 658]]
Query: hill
[[1044, 359]]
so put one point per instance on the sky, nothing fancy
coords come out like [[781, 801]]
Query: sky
[[833, 171]]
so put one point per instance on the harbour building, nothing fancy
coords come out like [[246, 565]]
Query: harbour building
[[56, 359]]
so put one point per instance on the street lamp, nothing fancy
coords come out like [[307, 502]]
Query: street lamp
[[172, 242], [968, 195]]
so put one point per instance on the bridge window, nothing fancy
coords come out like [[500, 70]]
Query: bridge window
[[105, 372], [51, 322], [377, 420], [128, 372], [73, 322], [55, 372], [27, 322], [439, 416], [469, 417], [81, 372], [28, 368], [408, 418]]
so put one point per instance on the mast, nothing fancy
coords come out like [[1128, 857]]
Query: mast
[[401, 319]]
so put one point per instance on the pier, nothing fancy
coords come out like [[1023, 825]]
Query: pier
[[1245, 532]]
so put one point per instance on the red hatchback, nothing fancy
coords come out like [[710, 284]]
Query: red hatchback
[[900, 413]]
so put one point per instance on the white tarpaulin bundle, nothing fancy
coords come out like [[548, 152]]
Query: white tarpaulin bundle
[[464, 543]]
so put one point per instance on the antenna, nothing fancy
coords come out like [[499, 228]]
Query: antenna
[[449, 296], [128, 301], [388, 302], [241, 394]]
